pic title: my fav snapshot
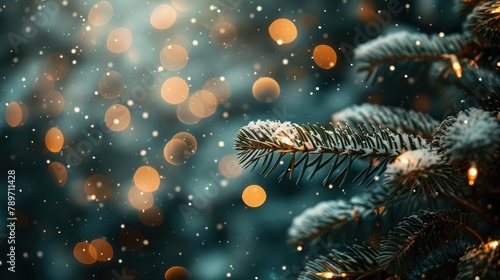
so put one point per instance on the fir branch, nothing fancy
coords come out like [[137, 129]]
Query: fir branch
[[442, 263], [403, 47], [422, 173], [484, 24], [393, 118], [419, 234], [334, 213], [478, 82], [480, 262], [462, 138], [318, 147], [358, 262]]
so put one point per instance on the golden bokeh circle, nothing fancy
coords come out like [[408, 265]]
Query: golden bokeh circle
[[58, 173], [54, 140], [202, 103], [177, 273], [176, 152], [139, 199], [254, 196], [185, 115], [53, 104], [266, 90], [111, 85], [283, 31], [174, 90], [163, 17], [190, 141], [117, 117], [104, 251], [147, 179], [119, 40], [100, 13], [223, 34], [85, 253], [324, 56], [13, 114], [173, 57]]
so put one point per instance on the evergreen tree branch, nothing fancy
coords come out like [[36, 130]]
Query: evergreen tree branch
[[484, 24], [462, 138], [402, 47], [393, 118], [465, 7], [334, 213], [358, 262], [419, 234], [422, 173], [342, 145], [442, 263], [480, 262]]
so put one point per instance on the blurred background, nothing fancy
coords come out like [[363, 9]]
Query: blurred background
[[118, 118]]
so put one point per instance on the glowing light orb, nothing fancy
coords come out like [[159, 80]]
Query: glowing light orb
[[85, 253], [324, 56], [111, 85], [174, 90], [117, 117], [266, 90], [147, 179], [100, 13], [163, 17], [54, 140], [283, 31], [58, 173], [177, 273], [104, 251], [119, 40], [254, 196], [223, 34], [13, 114]]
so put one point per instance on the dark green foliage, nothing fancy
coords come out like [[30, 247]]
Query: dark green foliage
[[484, 24], [358, 262], [420, 234], [481, 261]]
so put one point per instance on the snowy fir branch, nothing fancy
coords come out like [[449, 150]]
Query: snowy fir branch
[[462, 138], [409, 239], [387, 54], [422, 173], [393, 118], [319, 147]]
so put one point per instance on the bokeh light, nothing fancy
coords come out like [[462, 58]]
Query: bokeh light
[[202, 103], [177, 273], [54, 140], [185, 115], [53, 104], [223, 34], [139, 199], [98, 187], [176, 152], [190, 141], [119, 40], [104, 251], [58, 173], [185, 5], [173, 57], [266, 90], [324, 56], [163, 17], [147, 179], [13, 114], [111, 85], [100, 13], [283, 31], [174, 90], [117, 117], [254, 196], [85, 253], [229, 166]]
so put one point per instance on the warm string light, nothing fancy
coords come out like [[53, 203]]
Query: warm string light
[[326, 275], [472, 174], [492, 244]]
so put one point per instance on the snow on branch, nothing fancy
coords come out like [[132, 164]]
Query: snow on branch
[[393, 118]]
